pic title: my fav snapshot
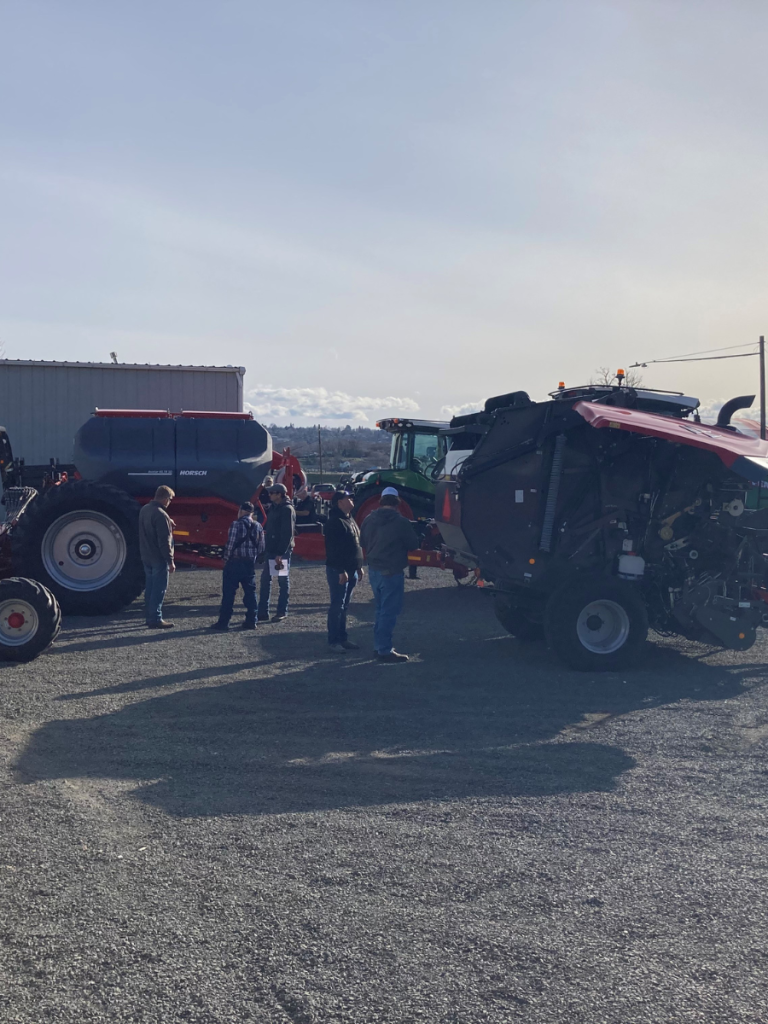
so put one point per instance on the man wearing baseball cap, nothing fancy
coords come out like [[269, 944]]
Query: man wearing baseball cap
[[278, 536], [387, 538], [245, 546], [343, 567]]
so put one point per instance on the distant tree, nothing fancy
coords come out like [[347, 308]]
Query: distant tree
[[602, 375]]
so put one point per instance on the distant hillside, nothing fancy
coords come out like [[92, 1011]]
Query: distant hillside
[[361, 447]]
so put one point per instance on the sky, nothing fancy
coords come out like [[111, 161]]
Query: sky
[[387, 206]]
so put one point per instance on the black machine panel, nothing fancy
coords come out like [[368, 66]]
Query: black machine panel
[[134, 453], [224, 457], [206, 456]]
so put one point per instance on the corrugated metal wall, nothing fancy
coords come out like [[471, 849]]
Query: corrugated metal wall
[[43, 404]]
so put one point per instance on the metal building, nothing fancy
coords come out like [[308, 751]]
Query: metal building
[[42, 404]]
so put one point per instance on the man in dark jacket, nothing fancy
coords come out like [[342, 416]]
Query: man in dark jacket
[[343, 567], [156, 550], [245, 546], [387, 538], [278, 538]]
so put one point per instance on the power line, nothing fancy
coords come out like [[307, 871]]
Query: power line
[[696, 359], [704, 357]]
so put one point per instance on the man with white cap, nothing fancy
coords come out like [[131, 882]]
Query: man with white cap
[[387, 537]]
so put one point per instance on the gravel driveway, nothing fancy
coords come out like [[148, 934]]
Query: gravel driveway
[[245, 827]]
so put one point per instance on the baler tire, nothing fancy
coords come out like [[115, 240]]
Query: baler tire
[[115, 515], [515, 620], [596, 624], [38, 614]]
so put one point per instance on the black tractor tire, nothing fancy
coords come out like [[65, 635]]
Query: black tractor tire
[[81, 540], [516, 619], [30, 619], [596, 624]]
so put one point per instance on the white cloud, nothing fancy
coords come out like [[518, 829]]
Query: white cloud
[[449, 411], [285, 405], [745, 420]]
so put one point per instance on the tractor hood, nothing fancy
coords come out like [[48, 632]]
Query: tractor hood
[[747, 456]]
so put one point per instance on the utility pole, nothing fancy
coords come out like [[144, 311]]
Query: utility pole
[[704, 357], [762, 387], [320, 451]]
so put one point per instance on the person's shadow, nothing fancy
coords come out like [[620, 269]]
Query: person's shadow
[[478, 716]]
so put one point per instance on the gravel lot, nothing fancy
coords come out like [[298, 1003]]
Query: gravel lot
[[244, 827]]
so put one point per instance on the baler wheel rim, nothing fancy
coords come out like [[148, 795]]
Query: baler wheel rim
[[602, 626]]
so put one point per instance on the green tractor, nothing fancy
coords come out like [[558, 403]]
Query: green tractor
[[417, 448]]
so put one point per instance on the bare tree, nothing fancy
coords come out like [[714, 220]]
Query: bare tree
[[602, 375]]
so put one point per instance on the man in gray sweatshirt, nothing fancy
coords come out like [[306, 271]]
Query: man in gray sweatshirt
[[156, 549], [387, 537]]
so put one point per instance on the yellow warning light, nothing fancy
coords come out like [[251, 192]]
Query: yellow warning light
[[619, 373], [561, 384], [531, 561]]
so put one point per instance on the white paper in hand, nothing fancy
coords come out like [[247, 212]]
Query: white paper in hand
[[274, 571]]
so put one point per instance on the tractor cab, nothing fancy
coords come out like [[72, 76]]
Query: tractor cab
[[416, 452], [416, 445]]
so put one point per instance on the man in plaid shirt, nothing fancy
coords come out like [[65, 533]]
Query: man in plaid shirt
[[245, 546]]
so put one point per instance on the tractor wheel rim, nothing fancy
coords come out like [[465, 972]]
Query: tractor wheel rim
[[602, 627], [84, 550], [18, 622]]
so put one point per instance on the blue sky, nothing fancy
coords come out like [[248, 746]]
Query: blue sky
[[386, 206]]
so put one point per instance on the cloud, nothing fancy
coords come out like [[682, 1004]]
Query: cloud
[[448, 411], [315, 404]]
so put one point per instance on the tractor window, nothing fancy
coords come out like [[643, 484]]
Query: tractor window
[[427, 449], [400, 453]]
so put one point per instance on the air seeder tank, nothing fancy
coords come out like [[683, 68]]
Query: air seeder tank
[[198, 454]]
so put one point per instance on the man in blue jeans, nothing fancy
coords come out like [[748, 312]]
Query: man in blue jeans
[[343, 568], [244, 547], [156, 550], [387, 538], [278, 539]]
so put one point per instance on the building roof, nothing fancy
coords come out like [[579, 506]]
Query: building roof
[[119, 366]]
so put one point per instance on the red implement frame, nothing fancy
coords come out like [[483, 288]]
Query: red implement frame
[[747, 456]]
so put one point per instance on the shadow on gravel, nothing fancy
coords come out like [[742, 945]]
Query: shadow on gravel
[[473, 715], [139, 636], [356, 733]]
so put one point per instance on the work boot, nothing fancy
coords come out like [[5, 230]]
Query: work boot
[[279, 618], [162, 624], [262, 618], [337, 648], [222, 627], [393, 656], [349, 646], [248, 625]]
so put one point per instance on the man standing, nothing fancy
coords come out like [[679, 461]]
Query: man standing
[[343, 567], [278, 538], [387, 538], [156, 549], [245, 546], [306, 507]]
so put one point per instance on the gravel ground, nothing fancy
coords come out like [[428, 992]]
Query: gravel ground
[[245, 827]]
